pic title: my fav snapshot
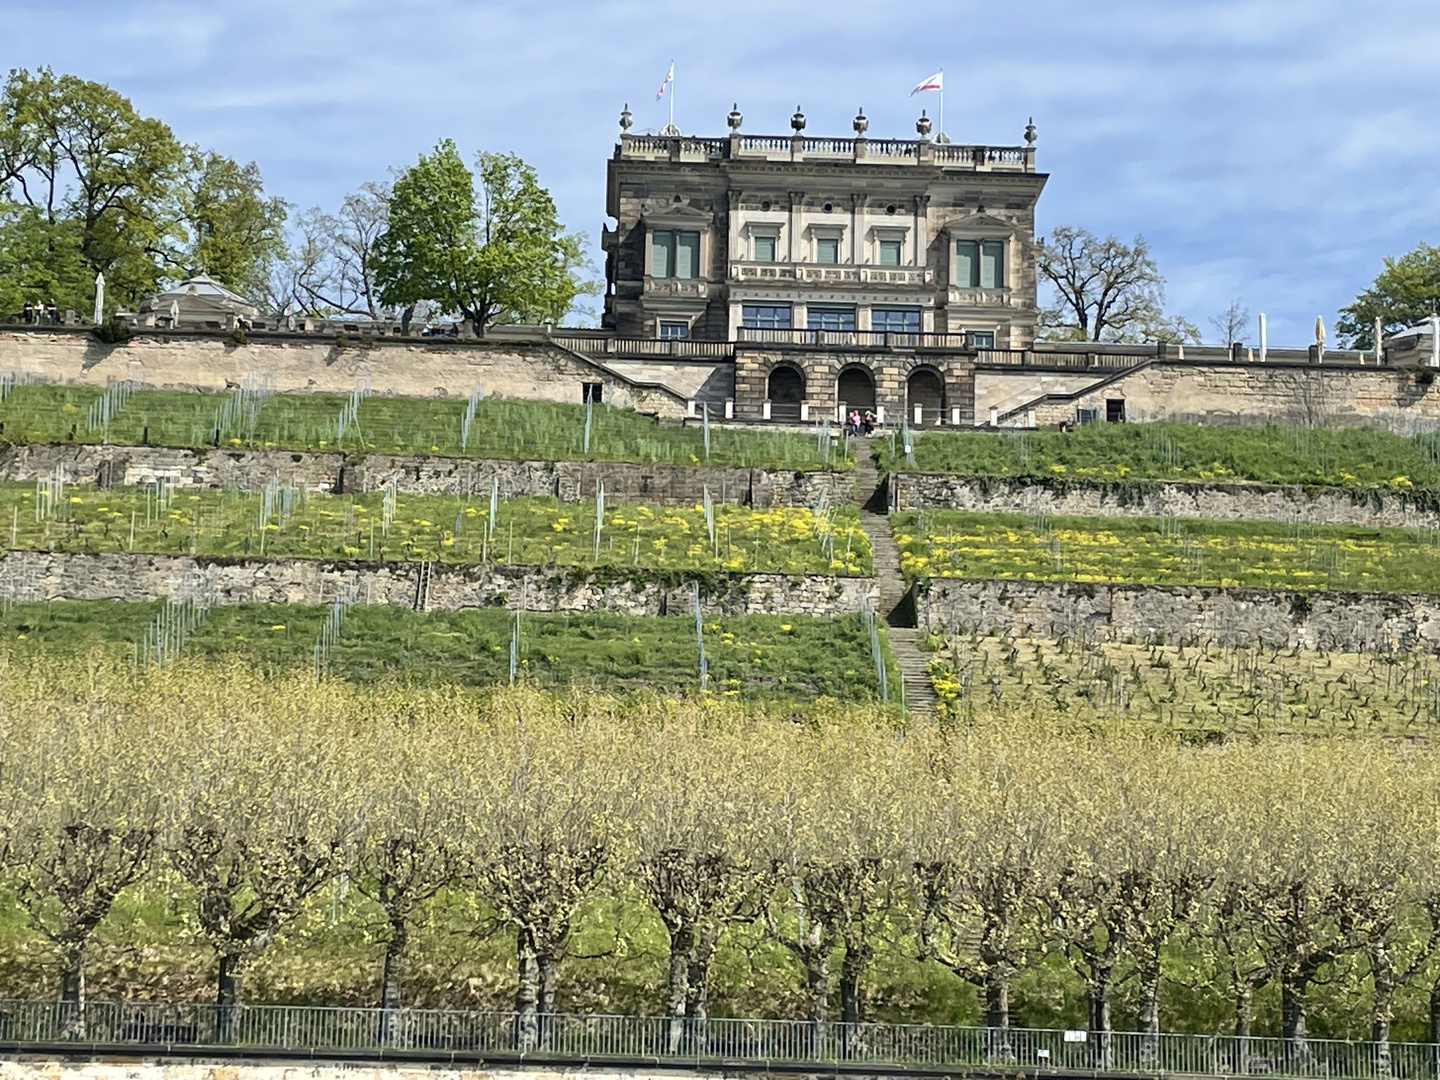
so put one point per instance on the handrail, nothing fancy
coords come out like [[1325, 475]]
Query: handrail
[[317, 1030]]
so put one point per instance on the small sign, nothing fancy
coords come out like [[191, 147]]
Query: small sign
[[1043, 1055], [1076, 1036]]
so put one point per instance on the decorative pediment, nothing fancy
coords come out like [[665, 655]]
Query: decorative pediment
[[975, 224], [677, 216]]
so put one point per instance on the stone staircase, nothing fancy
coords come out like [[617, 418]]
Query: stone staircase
[[898, 613]]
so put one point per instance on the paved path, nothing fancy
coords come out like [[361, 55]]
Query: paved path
[[898, 614]]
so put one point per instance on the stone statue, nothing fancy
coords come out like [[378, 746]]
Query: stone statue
[[99, 299]]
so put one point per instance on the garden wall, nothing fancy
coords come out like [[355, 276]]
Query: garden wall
[[570, 481], [425, 367], [1348, 622], [34, 576], [1146, 498], [132, 1066]]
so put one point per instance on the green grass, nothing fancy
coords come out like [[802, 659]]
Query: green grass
[[1356, 458], [953, 543], [504, 429], [1198, 689], [451, 528], [756, 657]]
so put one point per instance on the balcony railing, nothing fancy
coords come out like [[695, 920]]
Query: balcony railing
[[799, 148], [677, 348], [841, 274], [859, 339], [419, 1033]]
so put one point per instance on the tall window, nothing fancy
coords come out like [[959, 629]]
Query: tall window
[[890, 252], [895, 320], [765, 316], [764, 248], [830, 317], [827, 249], [674, 329], [674, 254], [979, 264]]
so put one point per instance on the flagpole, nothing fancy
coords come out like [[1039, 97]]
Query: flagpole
[[672, 96], [942, 101]]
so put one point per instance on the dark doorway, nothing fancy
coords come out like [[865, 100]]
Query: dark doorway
[[786, 390], [925, 389], [857, 389], [1114, 410]]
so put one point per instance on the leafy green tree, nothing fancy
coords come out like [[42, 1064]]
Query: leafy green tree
[[1105, 290], [40, 261], [1405, 292], [95, 173], [489, 253], [233, 231]]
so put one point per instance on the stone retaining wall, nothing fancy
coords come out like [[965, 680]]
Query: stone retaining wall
[[570, 481], [35, 576], [1348, 622], [1143, 498], [90, 1066]]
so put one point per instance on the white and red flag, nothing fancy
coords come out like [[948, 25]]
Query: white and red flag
[[934, 82], [669, 78]]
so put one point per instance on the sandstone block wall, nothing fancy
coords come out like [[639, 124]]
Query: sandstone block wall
[[1213, 501], [1350, 622], [36, 576], [192, 360], [310, 1068], [570, 481]]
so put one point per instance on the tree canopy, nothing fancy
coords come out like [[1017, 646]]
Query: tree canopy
[[1405, 292], [486, 246], [1105, 290], [88, 185]]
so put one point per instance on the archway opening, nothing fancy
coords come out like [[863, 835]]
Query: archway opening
[[786, 390], [925, 391], [856, 389]]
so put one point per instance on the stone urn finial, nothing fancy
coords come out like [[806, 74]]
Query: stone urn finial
[[862, 125], [1030, 132], [923, 125], [734, 119], [626, 120], [798, 120]]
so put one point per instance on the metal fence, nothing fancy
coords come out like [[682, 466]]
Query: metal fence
[[626, 1038]]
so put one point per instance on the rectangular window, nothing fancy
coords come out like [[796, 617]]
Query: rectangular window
[[890, 252], [674, 330], [674, 254], [966, 272], [1114, 410], [827, 249], [687, 254], [590, 392], [765, 316], [764, 249], [983, 339], [992, 265], [662, 253], [895, 320], [830, 317]]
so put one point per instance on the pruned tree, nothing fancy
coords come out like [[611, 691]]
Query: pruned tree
[[1105, 290]]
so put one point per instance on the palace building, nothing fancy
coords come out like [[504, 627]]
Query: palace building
[[760, 236]]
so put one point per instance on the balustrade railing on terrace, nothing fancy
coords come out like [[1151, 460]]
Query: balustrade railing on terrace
[[678, 348], [851, 338], [887, 151], [315, 1031]]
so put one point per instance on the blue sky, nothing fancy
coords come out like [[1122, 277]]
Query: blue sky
[[1270, 150]]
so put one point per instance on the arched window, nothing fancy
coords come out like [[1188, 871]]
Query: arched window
[[857, 389]]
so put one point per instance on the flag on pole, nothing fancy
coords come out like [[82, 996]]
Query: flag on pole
[[934, 82], [669, 78]]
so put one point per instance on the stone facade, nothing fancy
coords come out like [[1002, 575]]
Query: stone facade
[[38, 575], [854, 235], [569, 481], [1348, 622], [894, 381], [1210, 501]]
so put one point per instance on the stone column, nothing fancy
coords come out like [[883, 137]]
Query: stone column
[[922, 229], [734, 249]]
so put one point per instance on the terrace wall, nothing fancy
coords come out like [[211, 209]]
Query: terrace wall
[[34, 576], [1401, 399], [1349, 622], [1142, 498], [134, 1067], [570, 481], [423, 367]]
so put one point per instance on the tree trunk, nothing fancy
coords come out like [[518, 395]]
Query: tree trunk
[[1244, 1010], [72, 993], [228, 988], [817, 980], [1098, 996], [549, 974], [682, 947], [527, 994], [697, 998], [1150, 1008], [852, 1002], [1292, 1014], [1384, 1011], [393, 976], [997, 1015]]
